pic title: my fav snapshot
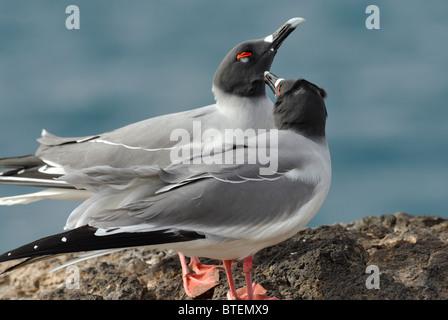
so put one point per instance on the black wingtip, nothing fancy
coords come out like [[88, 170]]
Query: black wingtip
[[25, 263], [84, 239], [30, 171], [27, 161]]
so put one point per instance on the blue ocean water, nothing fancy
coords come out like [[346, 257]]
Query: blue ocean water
[[388, 113]]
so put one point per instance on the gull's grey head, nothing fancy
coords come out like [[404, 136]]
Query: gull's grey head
[[241, 71], [299, 105]]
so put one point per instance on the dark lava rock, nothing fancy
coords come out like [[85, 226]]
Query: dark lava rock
[[408, 254]]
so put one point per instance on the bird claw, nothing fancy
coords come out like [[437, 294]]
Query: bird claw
[[205, 278], [197, 284], [258, 290]]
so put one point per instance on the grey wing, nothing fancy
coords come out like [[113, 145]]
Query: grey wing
[[144, 142], [220, 201]]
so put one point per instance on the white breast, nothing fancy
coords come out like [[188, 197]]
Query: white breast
[[243, 112]]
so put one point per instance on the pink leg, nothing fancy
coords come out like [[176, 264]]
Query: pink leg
[[251, 291], [247, 269], [231, 295], [196, 284]]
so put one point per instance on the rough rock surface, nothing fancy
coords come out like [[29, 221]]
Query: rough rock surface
[[328, 262]]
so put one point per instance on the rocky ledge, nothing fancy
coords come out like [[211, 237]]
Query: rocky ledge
[[388, 257]]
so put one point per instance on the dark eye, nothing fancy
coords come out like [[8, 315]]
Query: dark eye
[[244, 56]]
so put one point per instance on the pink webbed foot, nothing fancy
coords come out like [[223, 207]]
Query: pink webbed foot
[[259, 293], [204, 278]]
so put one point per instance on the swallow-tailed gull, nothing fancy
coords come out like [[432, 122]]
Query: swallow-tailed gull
[[223, 211], [241, 103]]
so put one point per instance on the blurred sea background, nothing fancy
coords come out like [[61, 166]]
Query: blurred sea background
[[131, 60]]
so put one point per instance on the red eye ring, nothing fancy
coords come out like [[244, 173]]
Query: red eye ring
[[243, 54]]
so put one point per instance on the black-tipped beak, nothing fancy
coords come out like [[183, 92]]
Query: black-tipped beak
[[272, 81], [276, 39]]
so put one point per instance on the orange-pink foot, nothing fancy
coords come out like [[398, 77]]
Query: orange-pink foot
[[259, 293], [197, 284], [204, 278]]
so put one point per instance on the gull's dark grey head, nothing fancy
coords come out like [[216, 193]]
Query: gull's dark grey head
[[299, 105], [241, 71]]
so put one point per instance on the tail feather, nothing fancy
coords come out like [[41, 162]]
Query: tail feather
[[31, 171], [86, 256], [52, 193], [85, 239], [18, 180], [27, 161]]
